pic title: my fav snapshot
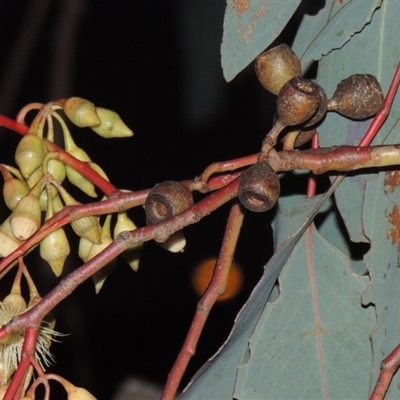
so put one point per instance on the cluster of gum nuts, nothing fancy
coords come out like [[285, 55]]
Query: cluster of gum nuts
[[301, 106]]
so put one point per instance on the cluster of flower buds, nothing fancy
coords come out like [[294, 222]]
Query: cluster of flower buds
[[105, 123], [13, 305], [34, 190]]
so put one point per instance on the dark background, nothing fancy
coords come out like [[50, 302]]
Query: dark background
[[157, 63]]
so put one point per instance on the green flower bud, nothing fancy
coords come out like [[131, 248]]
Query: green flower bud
[[84, 248], [131, 256], [87, 227], [81, 112], [124, 223], [14, 302], [79, 393], [29, 154], [111, 125], [35, 177], [80, 182], [8, 242], [74, 176], [175, 243], [57, 170], [13, 191], [105, 237], [54, 248], [26, 217]]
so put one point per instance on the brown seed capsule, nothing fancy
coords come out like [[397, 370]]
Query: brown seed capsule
[[259, 187], [321, 110], [167, 199], [277, 66], [357, 97], [297, 101]]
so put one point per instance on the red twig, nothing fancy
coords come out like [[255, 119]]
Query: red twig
[[82, 167], [216, 288], [229, 165], [14, 391], [338, 158], [312, 180], [381, 116], [389, 367], [13, 125]]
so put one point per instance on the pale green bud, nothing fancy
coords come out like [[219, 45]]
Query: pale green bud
[[111, 125], [105, 237], [29, 154], [26, 217], [87, 227], [81, 112], [54, 248], [80, 393], [175, 243], [13, 191], [8, 242], [131, 256]]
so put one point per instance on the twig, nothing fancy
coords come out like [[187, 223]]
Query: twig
[[338, 158], [216, 287], [389, 367], [14, 391]]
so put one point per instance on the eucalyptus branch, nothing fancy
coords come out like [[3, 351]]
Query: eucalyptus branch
[[338, 158], [159, 232]]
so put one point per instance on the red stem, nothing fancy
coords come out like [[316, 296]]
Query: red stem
[[312, 179], [388, 368], [13, 125], [215, 289], [381, 116], [14, 391]]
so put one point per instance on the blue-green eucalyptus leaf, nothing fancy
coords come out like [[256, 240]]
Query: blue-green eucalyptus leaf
[[332, 27], [216, 379], [313, 342], [249, 28]]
